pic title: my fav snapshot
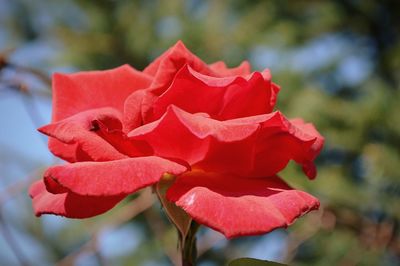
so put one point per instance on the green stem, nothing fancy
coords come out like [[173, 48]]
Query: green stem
[[184, 224], [188, 247]]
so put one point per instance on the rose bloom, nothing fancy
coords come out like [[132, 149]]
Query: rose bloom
[[212, 127]]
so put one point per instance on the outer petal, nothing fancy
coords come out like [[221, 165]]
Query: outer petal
[[111, 178], [308, 165], [252, 146], [68, 152], [74, 93], [92, 135], [69, 204], [220, 67], [275, 146], [310, 130], [81, 132], [222, 98], [238, 206]]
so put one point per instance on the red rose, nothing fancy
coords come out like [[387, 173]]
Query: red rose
[[211, 126]]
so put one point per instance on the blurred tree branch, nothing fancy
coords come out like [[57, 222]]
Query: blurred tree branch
[[5, 63], [12, 243], [143, 202]]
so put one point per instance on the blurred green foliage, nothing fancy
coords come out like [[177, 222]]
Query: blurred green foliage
[[338, 63]]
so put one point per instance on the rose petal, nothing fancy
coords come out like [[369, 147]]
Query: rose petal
[[202, 126], [74, 93], [252, 146], [68, 152], [93, 135], [308, 166], [310, 130], [189, 137], [164, 68], [221, 68], [179, 55], [69, 204], [290, 141], [238, 206], [222, 98], [136, 109], [120, 177], [82, 131]]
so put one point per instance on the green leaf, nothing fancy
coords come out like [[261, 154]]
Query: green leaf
[[177, 216], [253, 262]]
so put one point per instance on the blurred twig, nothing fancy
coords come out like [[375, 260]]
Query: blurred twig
[[88, 247], [144, 201], [32, 110], [3, 57], [208, 241], [33, 113], [5, 63], [30, 70], [28, 101], [17, 187], [12, 243], [297, 238], [6, 194], [372, 235], [155, 221], [20, 86]]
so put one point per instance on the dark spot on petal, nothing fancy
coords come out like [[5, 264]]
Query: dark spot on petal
[[95, 126]]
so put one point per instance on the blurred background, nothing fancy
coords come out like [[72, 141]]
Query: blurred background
[[338, 63]]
